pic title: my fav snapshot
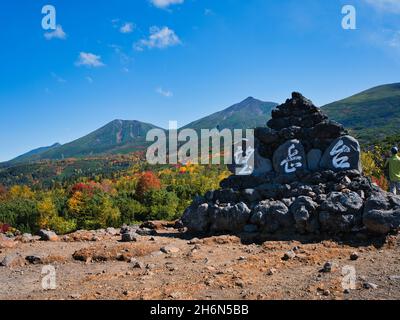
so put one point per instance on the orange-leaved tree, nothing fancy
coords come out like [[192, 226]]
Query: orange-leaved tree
[[147, 181]]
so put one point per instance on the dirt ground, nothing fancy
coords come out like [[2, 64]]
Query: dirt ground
[[218, 267]]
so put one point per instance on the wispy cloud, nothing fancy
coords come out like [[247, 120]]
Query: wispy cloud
[[163, 4], [165, 93], [208, 12], [394, 41], [128, 27], [159, 38], [115, 22], [89, 79], [56, 34], [89, 60], [124, 58], [58, 78], [392, 6]]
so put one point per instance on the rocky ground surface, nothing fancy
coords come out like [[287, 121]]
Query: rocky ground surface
[[165, 263]]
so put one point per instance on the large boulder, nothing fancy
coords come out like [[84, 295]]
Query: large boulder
[[261, 165], [382, 213], [304, 211], [340, 212], [313, 159], [344, 153], [272, 216], [289, 158], [196, 218], [230, 218]]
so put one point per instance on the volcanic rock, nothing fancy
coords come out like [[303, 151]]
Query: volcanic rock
[[314, 186]]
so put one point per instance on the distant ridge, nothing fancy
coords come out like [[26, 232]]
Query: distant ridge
[[250, 113], [372, 114]]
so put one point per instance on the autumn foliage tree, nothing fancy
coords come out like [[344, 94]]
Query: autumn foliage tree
[[147, 181]]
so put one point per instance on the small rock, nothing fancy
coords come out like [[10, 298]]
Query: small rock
[[194, 241], [26, 238], [137, 264], [354, 256], [46, 235], [346, 291], [289, 255], [12, 260], [239, 283], [169, 249], [328, 267], [112, 231], [150, 266], [242, 258], [34, 259], [370, 286], [326, 293], [129, 237], [271, 272], [146, 232], [75, 296]]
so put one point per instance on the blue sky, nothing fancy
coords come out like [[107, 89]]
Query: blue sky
[[160, 60]]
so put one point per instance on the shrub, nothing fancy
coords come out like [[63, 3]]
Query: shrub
[[21, 214], [49, 219], [93, 211], [148, 181], [129, 208], [160, 205]]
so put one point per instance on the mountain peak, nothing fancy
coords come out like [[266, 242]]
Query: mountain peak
[[249, 100]]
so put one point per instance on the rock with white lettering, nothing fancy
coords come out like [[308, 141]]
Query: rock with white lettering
[[243, 158], [342, 154], [290, 158]]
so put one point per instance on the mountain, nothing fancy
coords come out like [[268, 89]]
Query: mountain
[[249, 113], [370, 115], [35, 153], [121, 136], [118, 136]]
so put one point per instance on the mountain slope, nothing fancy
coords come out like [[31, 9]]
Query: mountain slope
[[248, 114], [35, 153], [121, 136], [118, 136], [370, 115]]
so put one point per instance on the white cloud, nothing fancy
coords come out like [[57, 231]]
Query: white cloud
[[394, 41], [162, 4], [89, 79], [165, 93], [392, 6], [56, 34], [89, 60], [128, 27], [159, 38]]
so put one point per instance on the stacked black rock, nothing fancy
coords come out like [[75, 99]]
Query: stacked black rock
[[307, 179]]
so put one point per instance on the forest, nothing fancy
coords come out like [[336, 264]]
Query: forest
[[98, 193]]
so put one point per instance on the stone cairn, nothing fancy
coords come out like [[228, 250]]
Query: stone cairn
[[307, 179]]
